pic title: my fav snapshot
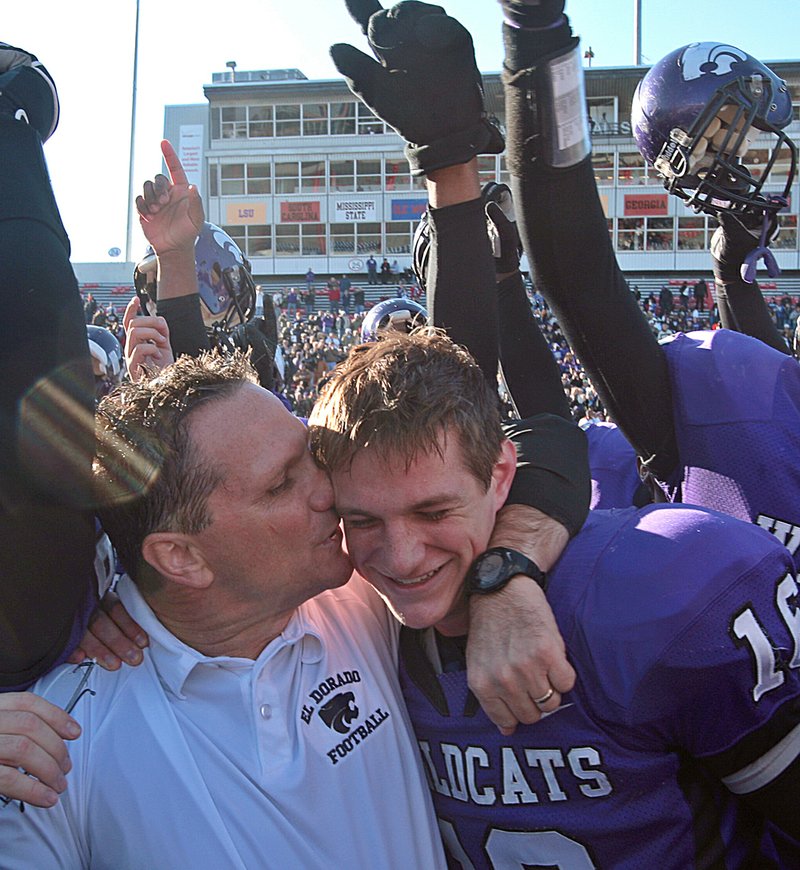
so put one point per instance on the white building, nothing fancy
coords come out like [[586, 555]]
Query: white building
[[304, 176]]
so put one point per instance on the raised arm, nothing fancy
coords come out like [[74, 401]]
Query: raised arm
[[171, 216], [564, 231]]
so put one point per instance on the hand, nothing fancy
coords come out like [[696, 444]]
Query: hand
[[735, 238], [502, 226], [32, 735], [426, 84], [147, 347], [515, 654], [112, 637], [170, 209]]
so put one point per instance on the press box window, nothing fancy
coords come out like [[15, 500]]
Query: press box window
[[603, 165], [343, 238], [658, 234], [342, 176], [398, 236], [287, 120], [368, 238], [315, 119], [313, 239], [398, 176], [631, 168], [287, 240], [692, 233], [261, 122], [232, 179], [312, 176], [368, 175], [343, 119], [287, 179], [259, 178]]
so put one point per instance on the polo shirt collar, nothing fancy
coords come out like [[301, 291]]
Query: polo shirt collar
[[174, 660]]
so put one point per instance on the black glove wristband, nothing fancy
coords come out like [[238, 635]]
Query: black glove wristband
[[537, 15], [483, 138], [552, 469]]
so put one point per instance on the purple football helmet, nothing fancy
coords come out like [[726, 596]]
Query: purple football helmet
[[106, 352], [691, 116], [401, 314], [224, 280]]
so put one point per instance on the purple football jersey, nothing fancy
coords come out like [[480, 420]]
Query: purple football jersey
[[612, 462], [670, 616], [737, 423]]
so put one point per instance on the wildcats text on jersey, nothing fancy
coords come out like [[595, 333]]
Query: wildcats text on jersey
[[786, 533], [522, 776]]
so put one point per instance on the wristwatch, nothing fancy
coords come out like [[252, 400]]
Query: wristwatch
[[496, 566]]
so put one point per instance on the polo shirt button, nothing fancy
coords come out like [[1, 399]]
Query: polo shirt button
[[266, 711]]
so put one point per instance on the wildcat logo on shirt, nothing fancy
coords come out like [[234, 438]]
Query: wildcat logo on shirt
[[339, 711]]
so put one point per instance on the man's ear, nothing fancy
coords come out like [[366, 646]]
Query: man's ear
[[503, 472], [177, 558]]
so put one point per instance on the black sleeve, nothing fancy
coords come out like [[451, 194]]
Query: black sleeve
[[187, 332], [46, 420], [552, 468], [742, 308], [461, 281], [530, 370], [565, 235]]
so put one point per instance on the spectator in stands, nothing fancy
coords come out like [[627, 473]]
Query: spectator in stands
[[291, 301], [700, 293], [334, 294], [665, 300], [89, 307], [358, 300], [344, 286], [310, 277], [372, 270], [386, 271]]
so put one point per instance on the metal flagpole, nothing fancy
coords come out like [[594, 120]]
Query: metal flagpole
[[133, 135], [637, 32]]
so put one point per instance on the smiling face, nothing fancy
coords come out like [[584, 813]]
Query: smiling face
[[413, 529]]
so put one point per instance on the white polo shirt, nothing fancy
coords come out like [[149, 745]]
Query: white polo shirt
[[301, 759]]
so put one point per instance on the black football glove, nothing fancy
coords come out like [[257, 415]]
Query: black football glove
[[501, 225], [425, 85]]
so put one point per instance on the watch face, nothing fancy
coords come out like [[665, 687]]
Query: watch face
[[489, 566]]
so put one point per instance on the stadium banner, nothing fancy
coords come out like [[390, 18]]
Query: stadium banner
[[355, 211], [190, 151], [644, 204], [299, 212], [237, 213], [408, 209]]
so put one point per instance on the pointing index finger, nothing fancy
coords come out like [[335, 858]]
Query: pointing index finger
[[174, 165], [361, 10]]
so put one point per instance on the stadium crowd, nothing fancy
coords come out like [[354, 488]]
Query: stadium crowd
[[495, 671]]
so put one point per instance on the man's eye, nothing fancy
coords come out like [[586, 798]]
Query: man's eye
[[280, 488], [363, 523], [433, 516]]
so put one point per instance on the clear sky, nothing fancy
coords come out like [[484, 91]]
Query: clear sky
[[88, 47]]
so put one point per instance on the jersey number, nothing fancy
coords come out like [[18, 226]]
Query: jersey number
[[747, 628], [509, 850]]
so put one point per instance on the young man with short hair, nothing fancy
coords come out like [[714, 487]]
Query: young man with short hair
[[637, 767]]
